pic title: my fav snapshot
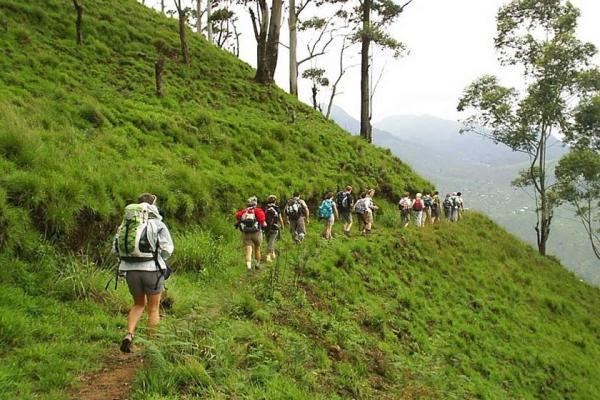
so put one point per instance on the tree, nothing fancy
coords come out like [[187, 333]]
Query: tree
[[342, 72], [182, 16], [374, 16], [209, 31], [266, 25], [224, 25], [162, 51], [578, 175], [578, 172], [294, 16], [317, 77], [539, 36], [326, 33], [79, 22], [198, 15]]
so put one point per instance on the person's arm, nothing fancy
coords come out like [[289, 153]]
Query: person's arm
[[165, 242], [306, 210], [113, 248], [335, 210]]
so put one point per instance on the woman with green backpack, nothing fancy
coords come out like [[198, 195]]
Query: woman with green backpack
[[328, 212]]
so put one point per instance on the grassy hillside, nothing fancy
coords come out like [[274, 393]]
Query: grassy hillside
[[456, 311]]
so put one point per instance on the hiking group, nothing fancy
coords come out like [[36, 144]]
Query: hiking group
[[427, 207], [143, 242]]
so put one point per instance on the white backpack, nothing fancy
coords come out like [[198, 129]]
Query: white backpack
[[132, 240]]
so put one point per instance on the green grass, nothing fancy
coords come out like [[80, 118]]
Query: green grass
[[454, 311]]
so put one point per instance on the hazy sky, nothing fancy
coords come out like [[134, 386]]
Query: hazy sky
[[450, 44]]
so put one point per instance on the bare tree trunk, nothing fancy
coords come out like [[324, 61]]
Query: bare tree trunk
[[79, 22], [273, 39], [185, 53], [162, 6], [365, 122], [314, 95], [293, 28], [209, 32], [198, 17], [337, 81], [159, 66], [545, 208]]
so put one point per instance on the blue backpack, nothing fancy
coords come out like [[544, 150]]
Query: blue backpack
[[326, 209]]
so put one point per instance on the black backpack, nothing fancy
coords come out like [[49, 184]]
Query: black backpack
[[272, 217], [343, 200]]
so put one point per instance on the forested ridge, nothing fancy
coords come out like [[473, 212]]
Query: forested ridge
[[459, 310]]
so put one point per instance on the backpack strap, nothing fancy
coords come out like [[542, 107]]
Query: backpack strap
[[157, 263]]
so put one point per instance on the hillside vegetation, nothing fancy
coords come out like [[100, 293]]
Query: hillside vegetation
[[453, 311]]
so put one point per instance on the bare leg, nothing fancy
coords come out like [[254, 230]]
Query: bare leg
[[153, 310], [248, 253], [136, 312], [257, 253]]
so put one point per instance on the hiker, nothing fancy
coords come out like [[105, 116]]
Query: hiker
[[328, 212], [250, 221], [447, 206], [297, 214], [365, 207], [274, 220], [418, 207], [461, 206], [436, 205], [405, 205], [143, 243], [345, 202], [427, 202], [455, 206]]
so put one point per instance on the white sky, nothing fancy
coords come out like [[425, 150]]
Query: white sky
[[450, 44]]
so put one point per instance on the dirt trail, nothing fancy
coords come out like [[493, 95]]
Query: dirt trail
[[113, 381]]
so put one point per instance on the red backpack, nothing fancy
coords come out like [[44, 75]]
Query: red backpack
[[418, 205]]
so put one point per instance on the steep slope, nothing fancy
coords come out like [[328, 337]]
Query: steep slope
[[463, 311]]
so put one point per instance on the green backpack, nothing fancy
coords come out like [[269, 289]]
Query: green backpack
[[132, 240]]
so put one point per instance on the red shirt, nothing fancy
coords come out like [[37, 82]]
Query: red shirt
[[260, 215]]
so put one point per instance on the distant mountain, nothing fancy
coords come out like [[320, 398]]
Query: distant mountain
[[483, 171]]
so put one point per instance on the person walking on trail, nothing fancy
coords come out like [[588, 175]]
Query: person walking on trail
[[427, 202], [345, 203], [461, 206], [364, 208], [250, 221], [143, 243], [328, 212], [436, 205], [455, 207], [298, 216], [405, 205], [360, 208], [274, 220], [447, 206], [418, 207]]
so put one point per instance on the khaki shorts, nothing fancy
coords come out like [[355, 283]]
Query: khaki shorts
[[368, 217], [252, 238], [144, 282]]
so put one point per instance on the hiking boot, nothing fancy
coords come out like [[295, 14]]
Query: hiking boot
[[126, 343], [257, 266]]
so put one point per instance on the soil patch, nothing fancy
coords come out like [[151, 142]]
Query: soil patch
[[113, 381]]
